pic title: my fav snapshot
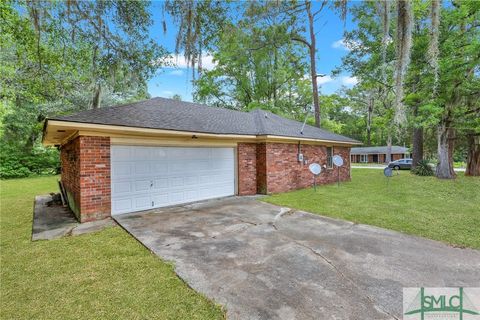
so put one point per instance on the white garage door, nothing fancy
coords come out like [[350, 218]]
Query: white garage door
[[151, 177]]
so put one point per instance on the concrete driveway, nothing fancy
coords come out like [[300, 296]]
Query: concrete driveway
[[265, 262]]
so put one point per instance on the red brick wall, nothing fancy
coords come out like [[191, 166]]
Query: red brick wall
[[262, 168], [94, 178], [247, 168], [86, 176], [70, 162], [397, 156], [285, 173]]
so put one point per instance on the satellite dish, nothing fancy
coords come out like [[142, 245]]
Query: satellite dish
[[388, 172], [337, 160], [315, 168]]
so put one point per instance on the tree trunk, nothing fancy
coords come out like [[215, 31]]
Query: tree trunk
[[369, 122], [313, 64], [445, 152], [473, 156], [417, 154], [417, 141], [97, 97], [388, 158]]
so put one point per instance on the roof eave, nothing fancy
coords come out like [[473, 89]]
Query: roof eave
[[73, 126]]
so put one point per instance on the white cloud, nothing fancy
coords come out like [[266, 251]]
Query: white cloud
[[168, 93], [323, 80], [331, 85], [341, 44], [176, 72], [320, 80], [349, 81], [181, 63]]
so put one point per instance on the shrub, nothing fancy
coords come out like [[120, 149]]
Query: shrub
[[423, 168], [17, 164]]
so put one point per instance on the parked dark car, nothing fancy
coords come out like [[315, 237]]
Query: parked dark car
[[400, 164]]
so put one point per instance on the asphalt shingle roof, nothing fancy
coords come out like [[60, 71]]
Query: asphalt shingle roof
[[380, 150], [169, 114]]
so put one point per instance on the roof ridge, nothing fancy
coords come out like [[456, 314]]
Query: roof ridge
[[259, 122]]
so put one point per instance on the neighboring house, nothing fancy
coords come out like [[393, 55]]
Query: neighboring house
[[377, 154], [163, 152]]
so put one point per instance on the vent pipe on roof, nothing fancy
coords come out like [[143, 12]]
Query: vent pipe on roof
[[304, 122]]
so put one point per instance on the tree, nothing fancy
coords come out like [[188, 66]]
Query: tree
[[311, 44], [257, 65], [372, 60], [458, 83], [114, 31], [60, 57], [403, 48], [198, 25]]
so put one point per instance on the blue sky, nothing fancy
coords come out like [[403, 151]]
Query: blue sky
[[330, 49]]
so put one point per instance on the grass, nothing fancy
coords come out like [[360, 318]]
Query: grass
[[103, 275], [444, 210], [456, 165]]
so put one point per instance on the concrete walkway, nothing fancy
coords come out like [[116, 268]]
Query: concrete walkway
[[265, 262], [53, 221]]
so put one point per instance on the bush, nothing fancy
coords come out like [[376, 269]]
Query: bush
[[17, 164], [423, 168]]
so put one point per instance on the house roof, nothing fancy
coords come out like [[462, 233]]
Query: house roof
[[169, 114], [378, 150]]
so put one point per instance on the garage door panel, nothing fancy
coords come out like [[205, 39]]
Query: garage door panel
[[121, 187], [222, 153], [160, 198], [177, 166], [160, 183], [191, 195], [142, 168], [142, 202], [121, 169], [149, 177], [159, 154], [192, 180], [217, 191], [199, 165], [176, 197], [223, 164], [142, 185], [204, 179], [122, 205], [178, 153], [143, 153], [159, 167], [175, 182], [121, 153]]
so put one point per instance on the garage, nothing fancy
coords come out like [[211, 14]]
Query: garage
[[144, 177], [163, 152]]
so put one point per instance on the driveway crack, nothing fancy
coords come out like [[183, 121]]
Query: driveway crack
[[248, 222], [334, 267], [283, 211]]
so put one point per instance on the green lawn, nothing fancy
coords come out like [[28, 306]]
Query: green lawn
[[443, 210], [103, 275]]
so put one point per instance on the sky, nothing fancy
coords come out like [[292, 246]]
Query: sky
[[177, 80]]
